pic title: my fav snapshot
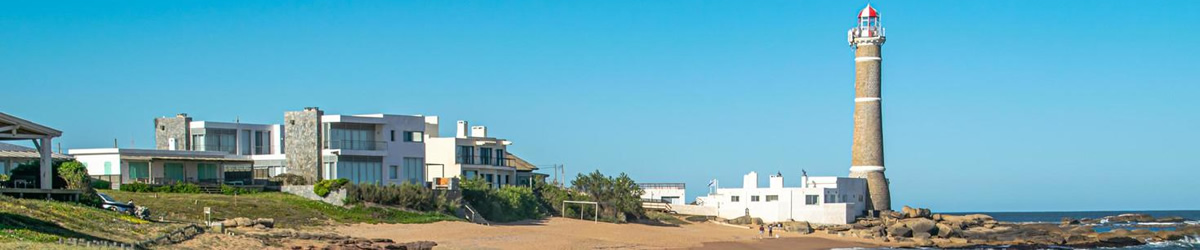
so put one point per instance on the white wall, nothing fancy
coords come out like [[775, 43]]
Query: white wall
[[659, 193], [791, 203]]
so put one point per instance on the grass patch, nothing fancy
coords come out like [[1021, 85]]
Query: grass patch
[[289, 211], [33, 220]]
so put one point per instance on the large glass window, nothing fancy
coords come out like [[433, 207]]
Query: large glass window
[[360, 169], [206, 171], [414, 136], [414, 170], [735, 198], [262, 142], [466, 155], [245, 143], [500, 158], [220, 140], [352, 136], [173, 171], [485, 156], [139, 170]]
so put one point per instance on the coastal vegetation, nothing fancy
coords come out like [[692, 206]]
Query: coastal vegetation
[[34, 220], [289, 211], [407, 195], [504, 204], [323, 187]]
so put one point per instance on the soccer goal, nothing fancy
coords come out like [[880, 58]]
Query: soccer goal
[[596, 206]]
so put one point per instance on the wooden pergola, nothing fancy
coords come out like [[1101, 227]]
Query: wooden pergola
[[13, 128]]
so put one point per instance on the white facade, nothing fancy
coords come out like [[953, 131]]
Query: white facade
[[673, 193], [160, 166], [471, 153], [822, 200], [374, 148]]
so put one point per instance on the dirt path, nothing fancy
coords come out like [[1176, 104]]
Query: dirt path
[[560, 233]]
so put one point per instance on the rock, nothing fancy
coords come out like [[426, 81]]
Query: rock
[[243, 222], [890, 215], [922, 235], [920, 225], [936, 217], [945, 231], [267, 222], [908, 212], [838, 228], [1126, 218], [1067, 221], [260, 226], [898, 230], [798, 226], [746, 220], [1170, 219], [1081, 230], [1119, 241]]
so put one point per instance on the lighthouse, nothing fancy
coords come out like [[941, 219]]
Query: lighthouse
[[867, 154]]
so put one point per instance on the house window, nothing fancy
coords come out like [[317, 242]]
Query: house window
[[466, 155], [414, 136], [414, 170], [392, 134], [811, 199], [830, 198], [754, 198], [485, 156], [735, 198], [394, 172], [771, 198], [108, 167], [860, 198]]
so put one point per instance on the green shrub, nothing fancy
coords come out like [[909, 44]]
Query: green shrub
[[407, 195], [323, 187], [136, 187], [508, 203], [101, 184], [231, 190], [74, 174]]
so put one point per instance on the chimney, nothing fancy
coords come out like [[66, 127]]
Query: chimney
[[478, 131], [461, 131], [777, 181], [750, 181]]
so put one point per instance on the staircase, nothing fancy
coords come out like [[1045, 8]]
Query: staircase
[[467, 212], [210, 189]]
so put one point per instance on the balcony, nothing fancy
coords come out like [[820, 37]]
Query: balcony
[[356, 145], [498, 161]]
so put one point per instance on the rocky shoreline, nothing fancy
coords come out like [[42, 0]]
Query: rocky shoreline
[[913, 227]]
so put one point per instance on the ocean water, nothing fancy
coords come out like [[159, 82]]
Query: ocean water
[[1191, 217]]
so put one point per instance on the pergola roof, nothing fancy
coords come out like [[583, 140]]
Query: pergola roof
[[15, 128]]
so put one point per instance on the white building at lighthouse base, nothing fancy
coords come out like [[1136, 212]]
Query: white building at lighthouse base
[[821, 200]]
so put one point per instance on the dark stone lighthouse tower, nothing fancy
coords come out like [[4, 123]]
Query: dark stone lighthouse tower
[[866, 39]]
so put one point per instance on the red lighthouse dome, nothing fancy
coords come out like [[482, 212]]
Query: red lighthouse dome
[[868, 12]]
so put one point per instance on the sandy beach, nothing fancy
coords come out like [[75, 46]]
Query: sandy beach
[[561, 233]]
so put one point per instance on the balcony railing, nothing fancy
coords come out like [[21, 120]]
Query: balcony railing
[[478, 160], [356, 145], [662, 185]]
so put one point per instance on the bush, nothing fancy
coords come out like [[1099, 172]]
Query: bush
[[508, 203], [407, 195], [185, 188], [74, 174], [101, 184], [322, 188], [231, 190], [136, 187]]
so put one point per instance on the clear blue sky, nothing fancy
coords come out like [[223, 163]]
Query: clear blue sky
[[988, 105]]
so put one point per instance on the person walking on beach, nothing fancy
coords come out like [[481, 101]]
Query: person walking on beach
[[760, 231], [771, 231]]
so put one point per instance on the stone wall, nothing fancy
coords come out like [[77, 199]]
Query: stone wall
[[302, 143], [176, 127], [337, 198]]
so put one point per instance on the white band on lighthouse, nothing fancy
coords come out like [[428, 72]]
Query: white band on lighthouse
[[866, 99], [867, 58], [866, 168]]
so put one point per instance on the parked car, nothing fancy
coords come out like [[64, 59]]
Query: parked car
[[109, 203]]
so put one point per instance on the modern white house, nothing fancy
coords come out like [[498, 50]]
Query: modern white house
[[823, 200], [673, 193], [468, 155], [374, 148]]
